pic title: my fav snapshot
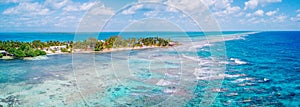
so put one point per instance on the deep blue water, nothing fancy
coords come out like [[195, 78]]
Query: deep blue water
[[273, 64], [271, 55]]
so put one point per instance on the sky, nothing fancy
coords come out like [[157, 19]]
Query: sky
[[117, 15]]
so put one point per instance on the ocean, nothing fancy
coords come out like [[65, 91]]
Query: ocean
[[258, 69]]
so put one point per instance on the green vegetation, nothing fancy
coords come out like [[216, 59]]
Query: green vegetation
[[21, 49], [36, 48], [64, 50], [119, 42], [1, 55]]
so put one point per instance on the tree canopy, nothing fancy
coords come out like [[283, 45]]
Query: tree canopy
[[35, 48]]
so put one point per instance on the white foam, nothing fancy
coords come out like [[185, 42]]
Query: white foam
[[239, 80], [163, 83], [238, 61], [238, 36], [265, 79], [170, 91], [37, 58], [242, 80], [208, 44], [218, 90], [234, 76]]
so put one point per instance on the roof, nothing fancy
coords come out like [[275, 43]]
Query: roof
[[58, 46]]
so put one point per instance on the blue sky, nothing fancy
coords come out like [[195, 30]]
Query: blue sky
[[65, 15]]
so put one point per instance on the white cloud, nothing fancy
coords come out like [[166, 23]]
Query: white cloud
[[272, 1], [218, 7], [13, 1], [228, 11], [248, 15], [297, 17], [101, 10], [259, 13], [132, 9], [27, 9], [252, 4], [86, 6], [56, 4], [209, 2], [280, 18], [222, 4], [171, 9], [150, 0], [151, 13], [52, 13], [186, 5], [271, 13], [79, 7], [70, 8], [231, 10]]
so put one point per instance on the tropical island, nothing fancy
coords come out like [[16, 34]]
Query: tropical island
[[21, 50]]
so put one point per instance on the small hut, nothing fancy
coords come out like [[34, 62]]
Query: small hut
[[4, 53]]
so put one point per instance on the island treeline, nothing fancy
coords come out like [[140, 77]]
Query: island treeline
[[17, 49]]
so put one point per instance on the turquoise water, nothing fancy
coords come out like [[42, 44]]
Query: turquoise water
[[28, 37], [262, 69]]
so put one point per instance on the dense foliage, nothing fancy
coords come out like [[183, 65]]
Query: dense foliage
[[22, 49], [36, 48], [119, 42]]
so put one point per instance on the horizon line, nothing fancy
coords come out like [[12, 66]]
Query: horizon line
[[142, 31]]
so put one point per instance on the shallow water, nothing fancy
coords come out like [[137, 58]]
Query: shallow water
[[261, 69]]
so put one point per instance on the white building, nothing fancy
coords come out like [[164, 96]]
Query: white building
[[2, 51], [57, 48]]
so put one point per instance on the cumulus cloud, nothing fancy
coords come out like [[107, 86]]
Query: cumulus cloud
[[252, 4], [228, 11], [101, 10], [297, 17], [86, 6], [151, 0], [280, 18], [271, 13], [56, 4], [187, 5], [132, 9], [70, 8], [79, 7], [259, 13], [221, 7], [57, 13], [222, 4], [13, 1], [248, 15], [27, 9]]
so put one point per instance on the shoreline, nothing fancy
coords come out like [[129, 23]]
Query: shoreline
[[42, 57], [36, 48], [107, 50], [79, 51]]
